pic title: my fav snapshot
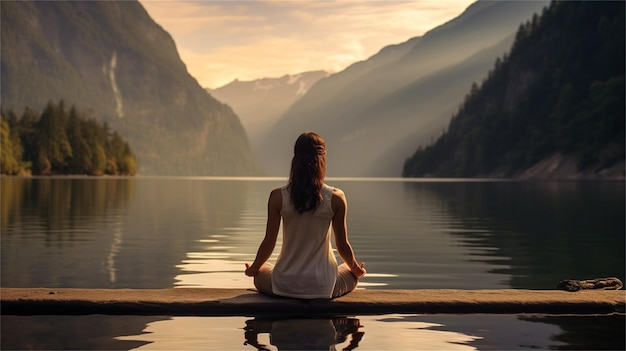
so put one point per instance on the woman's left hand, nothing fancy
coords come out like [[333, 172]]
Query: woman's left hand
[[250, 272]]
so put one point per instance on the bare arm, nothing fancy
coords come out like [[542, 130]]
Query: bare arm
[[266, 248], [340, 228]]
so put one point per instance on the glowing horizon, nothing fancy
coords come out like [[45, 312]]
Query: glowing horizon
[[221, 41]]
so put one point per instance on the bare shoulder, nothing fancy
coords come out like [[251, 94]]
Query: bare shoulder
[[276, 198], [339, 193], [276, 192], [338, 199]]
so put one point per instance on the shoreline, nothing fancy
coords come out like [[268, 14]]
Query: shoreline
[[247, 302]]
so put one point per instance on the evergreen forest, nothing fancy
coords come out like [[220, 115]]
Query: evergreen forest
[[112, 59], [560, 91], [59, 142]]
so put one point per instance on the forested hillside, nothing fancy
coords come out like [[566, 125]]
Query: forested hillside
[[112, 59], [558, 95], [59, 141], [374, 113]]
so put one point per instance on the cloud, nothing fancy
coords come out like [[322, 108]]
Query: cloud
[[223, 40]]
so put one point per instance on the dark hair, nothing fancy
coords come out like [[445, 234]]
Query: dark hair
[[308, 168]]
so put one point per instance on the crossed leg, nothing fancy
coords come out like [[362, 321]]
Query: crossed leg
[[345, 283]]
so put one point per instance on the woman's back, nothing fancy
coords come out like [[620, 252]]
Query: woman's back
[[306, 266], [308, 208]]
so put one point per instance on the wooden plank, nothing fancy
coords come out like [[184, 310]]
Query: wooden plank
[[242, 302]]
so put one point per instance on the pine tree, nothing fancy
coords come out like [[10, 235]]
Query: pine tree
[[53, 146], [9, 163]]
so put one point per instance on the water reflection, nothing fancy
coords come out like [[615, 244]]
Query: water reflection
[[548, 231], [384, 332], [93, 332], [170, 219], [165, 232], [109, 232], [159, 233], [48, 222], [218, 259], [304, 334], [406, 238], [600, 332], [57, 207]]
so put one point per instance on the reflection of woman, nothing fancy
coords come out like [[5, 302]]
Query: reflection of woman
[[306, 267], [304, 334]]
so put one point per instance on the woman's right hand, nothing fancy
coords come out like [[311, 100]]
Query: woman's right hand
[[359, 271]]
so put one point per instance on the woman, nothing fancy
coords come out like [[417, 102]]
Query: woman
[[306, 267]]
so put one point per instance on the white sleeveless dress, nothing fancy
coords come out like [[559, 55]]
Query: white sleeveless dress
[[306, 266]]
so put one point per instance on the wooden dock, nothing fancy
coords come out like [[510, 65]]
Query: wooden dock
[[242, 302]]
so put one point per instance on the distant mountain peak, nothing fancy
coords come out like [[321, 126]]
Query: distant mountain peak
[[260, 102], [305, 78]]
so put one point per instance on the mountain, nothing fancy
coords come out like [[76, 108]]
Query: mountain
[[372, 113], [110, 59], [553, 108], [260, 103]]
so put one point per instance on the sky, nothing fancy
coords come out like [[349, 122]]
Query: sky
[[221, 41]]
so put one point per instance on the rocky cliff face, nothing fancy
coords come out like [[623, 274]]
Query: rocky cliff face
[[111, 59]]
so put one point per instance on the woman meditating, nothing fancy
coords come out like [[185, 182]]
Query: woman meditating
[[306, 267]]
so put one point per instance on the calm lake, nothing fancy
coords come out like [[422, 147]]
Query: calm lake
[[158, 232]]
